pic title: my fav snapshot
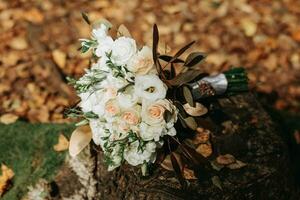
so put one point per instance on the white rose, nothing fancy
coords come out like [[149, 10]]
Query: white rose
[[104, 46], [123, 49], [142, 62], [100, 33], [148, 133], [136, 157], [92, 102], [127, 98], [150, 87]]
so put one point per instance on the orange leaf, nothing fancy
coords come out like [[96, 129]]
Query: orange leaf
[[63, 143], [7, 175]]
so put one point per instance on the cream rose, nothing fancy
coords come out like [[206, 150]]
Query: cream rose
[[142, 62], [153, 112], [123, 49]]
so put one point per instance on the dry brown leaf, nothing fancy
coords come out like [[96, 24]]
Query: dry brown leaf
[[202, 136], [297, 136], [80, 138], [18, 43], [204, 149], [237, 165], [249, 26], [59, 58], [123, 31], [225, 159], [167, 164], [34, 15], [189, 174], [8, 118], [296, 35], [5, 178], [63, 143]]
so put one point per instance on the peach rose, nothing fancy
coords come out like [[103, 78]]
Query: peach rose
[[112, 108], [131, 117]]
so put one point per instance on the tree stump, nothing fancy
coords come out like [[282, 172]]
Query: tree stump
[[248, 134]]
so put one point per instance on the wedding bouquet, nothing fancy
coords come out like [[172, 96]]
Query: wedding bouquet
[[140, 104]]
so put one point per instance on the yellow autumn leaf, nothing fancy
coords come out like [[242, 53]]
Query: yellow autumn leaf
[[59, 58], [6, 176], [8, 118], [63, 143]]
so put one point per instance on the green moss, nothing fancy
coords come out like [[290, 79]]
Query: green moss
[[28, 150]]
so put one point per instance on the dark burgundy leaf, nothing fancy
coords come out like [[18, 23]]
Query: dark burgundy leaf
[[155, 43], [185, 77], [194, 59], [181, 51], [86, 18], [168, 58], [177, 170], [173, 72]]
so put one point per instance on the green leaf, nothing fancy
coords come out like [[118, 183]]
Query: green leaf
[[191, 123], [86, 18], [194, 59], [188, 96]]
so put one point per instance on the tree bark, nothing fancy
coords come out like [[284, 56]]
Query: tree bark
[[251, 137]]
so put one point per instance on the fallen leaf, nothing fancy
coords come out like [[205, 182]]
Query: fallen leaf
[[167, 164], [204, 149], [189, 174], [237, 165], [202, 136], [249, 27], [80, 138], [34, 15], [5, 178], [18, 43], [59, 58], [217, 182], [8, 118], [296, 35], [225, 159], [63, 143]]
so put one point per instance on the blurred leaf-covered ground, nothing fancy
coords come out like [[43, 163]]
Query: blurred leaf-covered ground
[[39, 42]]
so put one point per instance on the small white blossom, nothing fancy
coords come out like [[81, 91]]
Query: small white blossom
[[104, 46], [100, 33]]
